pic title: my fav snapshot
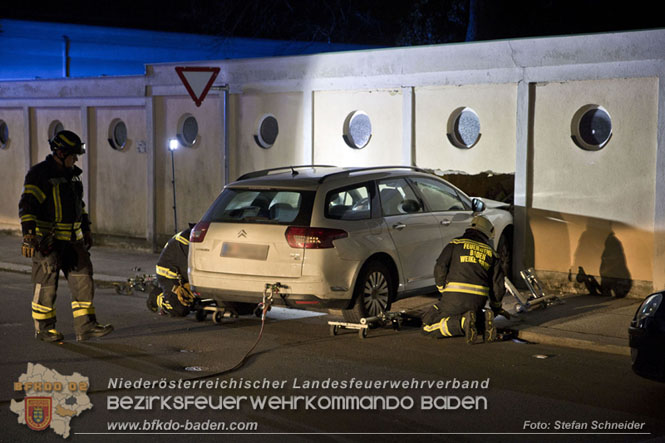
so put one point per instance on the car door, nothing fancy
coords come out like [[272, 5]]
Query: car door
[[414, 232], [452, 213]]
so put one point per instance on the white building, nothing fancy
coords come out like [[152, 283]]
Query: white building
[[578, 120]]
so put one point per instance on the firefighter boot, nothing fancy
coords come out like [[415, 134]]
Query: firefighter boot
[[469, 327], [96, 331], [151, 302], [49, 335], [490, 333]]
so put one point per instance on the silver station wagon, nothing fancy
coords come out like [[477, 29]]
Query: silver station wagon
[[354, 239]]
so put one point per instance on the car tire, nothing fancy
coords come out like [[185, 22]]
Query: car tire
[[505, 251], [374, 292]]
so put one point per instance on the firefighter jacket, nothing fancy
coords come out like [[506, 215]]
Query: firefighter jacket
[[52, 202], [469, 265], [172, 262]]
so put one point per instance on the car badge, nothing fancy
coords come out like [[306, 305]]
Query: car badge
[[242, 233]]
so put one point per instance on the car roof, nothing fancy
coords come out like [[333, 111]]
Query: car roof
[[310, 177]]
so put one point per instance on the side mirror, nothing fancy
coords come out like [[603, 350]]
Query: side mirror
[[410, 206], [477, 205]]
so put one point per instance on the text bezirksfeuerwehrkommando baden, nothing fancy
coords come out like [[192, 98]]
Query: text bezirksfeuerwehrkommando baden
[[294, 402], [260, 400]]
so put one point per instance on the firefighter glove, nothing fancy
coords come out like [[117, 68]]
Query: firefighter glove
[[28, 246], [184, 293], [87, 239]]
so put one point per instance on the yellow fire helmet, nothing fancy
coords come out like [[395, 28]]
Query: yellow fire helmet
[[68, 142]]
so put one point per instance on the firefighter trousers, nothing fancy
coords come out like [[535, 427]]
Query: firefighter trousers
[[445, 318], [168, 300], [73, 259]]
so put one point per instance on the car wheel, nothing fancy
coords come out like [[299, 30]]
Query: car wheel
[[505, 251], [373, 294]]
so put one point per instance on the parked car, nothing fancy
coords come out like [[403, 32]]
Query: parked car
[[647, 338], [346, 238]]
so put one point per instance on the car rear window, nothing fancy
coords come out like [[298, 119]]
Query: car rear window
[[281, 207]]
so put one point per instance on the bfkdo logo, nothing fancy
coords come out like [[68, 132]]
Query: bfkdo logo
[[51, 399], [38, 412]]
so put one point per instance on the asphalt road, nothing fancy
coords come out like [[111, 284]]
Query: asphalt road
[[532, 391]]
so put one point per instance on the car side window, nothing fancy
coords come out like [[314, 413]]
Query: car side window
[[350, 203], [438, 195], [394, 193]]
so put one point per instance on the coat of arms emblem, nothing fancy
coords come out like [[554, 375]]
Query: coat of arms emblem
[[38, 412]]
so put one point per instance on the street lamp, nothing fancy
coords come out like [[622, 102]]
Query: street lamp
[[173, 146]]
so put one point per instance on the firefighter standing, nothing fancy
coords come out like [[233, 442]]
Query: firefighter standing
[[467, 273], [56, 235], [173, 295]]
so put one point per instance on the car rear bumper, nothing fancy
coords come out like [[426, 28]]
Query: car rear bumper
[[291, 300], [298, 293]]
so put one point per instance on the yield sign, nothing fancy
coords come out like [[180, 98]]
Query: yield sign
[[197, 81]]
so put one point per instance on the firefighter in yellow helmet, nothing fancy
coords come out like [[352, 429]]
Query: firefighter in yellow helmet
[[56, 236], [468, 274]]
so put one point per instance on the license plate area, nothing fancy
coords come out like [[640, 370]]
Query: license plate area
[[245, 250]]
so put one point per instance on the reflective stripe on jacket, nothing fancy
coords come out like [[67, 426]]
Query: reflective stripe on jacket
[[469, 265], [172, 262], [52, 202]]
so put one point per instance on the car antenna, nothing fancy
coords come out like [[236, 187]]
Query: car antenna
[[293, 171]]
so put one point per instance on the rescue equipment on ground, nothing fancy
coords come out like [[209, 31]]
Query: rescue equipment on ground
[[537, 298], [395, 319], [140, 282]]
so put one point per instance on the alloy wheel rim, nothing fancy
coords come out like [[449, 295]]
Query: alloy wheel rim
[[375, 294]]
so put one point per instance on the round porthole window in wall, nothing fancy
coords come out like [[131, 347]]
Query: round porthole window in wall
[[591, 127], [188, 130], [118, 134], [464, 128], [357, 130], [55, 127], [267, 131], [4, 135]]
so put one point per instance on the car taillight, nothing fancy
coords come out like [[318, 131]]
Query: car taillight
[[312, 238], [199, 232]]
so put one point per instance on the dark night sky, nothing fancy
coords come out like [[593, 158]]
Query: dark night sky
[[377, 22]]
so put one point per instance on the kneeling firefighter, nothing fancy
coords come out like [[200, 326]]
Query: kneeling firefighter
[[468, 274], [173, 297]]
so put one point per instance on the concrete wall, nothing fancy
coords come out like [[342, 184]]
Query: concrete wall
[[118, 182], [246, 111], [199, 169], [13, 161], [384, 108], [496, 106], [595, 209]]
